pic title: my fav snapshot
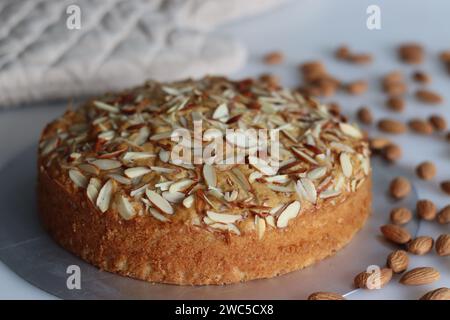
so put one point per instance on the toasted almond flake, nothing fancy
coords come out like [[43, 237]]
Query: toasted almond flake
[[262, 166], [162, 169], [164, 186], [157, 215], [161, 136], [220, 112], [49, 145], [139, 191], [106, 107], [317, 173], [240, 139], [209, 173], [303, 155], [188, 201], [107, 164], [291, 211], [136, 172], [283, 178], [142, 136], [241, 179], [350, 130], [174, 197], [133, 156], [270, 220], [159, 202], [254, 175], [223, 217], [288, 189], [329, 194], [232, 228], [208, 221], [180, 185], [260, 225], [231, 196], [306, 190], [104, 196], [78, 178], [164, 155], [119, 178], [93, 188], [219, 226], [75, 155], [125, 208], [89, 168], [341, 147], [107, 135], [346, 164]]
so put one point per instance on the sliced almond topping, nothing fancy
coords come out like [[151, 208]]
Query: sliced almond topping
[[161, 136], [262, 166], [49, 145], [291, 211], [223, 217], [133, 156], [89, 168], [139, 191], [260, 224], [106, 107], [232, 228], [162, 169], [180, 185], [346, 164], [157, 215], [350, 130], [78, 178], [174, 197], [125, 208], [221, 112], [107, 164], [330, 193], [241, 139], [241, 179], [159, 202], [164, 186], [317, 173], [119, 178], [93, 188], [188, 201], [136, 172], [231, 196], [270, 220], [306, 190], [104, 196], [209, 173], [164, 155]]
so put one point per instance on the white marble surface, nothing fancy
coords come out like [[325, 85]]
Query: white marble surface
[[310, 29]]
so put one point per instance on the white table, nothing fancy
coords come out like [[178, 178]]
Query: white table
[[312, 29]]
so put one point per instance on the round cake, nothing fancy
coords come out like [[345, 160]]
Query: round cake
[[201, 182]]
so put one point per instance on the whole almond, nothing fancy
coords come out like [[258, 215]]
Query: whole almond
[[365, 115], [342, 52], [398, 261], [395, 89], [420, 126], [420, 245], [438, 122], [396, 103], [360, 58], [377, 144], [426, 170], [400, 187], [395, 234], [412, 53], [426, 209], [392, 152], [444, 215], [357, 87], [373, 280], [391, 126], [443, 245], [270, 79], [400, 215], [437, 294], [445, 186], [275, 57], [392, 77], [421, 77], [428, 96], [325, 296], [420, 276]]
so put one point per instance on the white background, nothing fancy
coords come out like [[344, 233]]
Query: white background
[[312, 29]]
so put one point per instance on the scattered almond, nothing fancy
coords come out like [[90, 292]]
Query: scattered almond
[[357, 87], [400, 187], [395, 234], [365, 115], [445, 186], [426, 170], [420, 245], [437, 294], [400, 215], [392, 152], [270, 79], [411, 53], [420, 126], [398, 261], [443, 245], [428, 96], [325, 296], [391, 126], [393, 83], [421, 77], [396, 103], [377, 144], [444, 215], [420, 276], [426, 209], [373, 280], [438, 122], [275, 57]]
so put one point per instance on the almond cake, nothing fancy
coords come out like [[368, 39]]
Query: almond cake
[[111, 192]]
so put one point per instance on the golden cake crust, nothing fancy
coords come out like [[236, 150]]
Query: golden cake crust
[[140, 215]]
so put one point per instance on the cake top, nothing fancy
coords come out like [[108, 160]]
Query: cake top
[[229, 156]]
